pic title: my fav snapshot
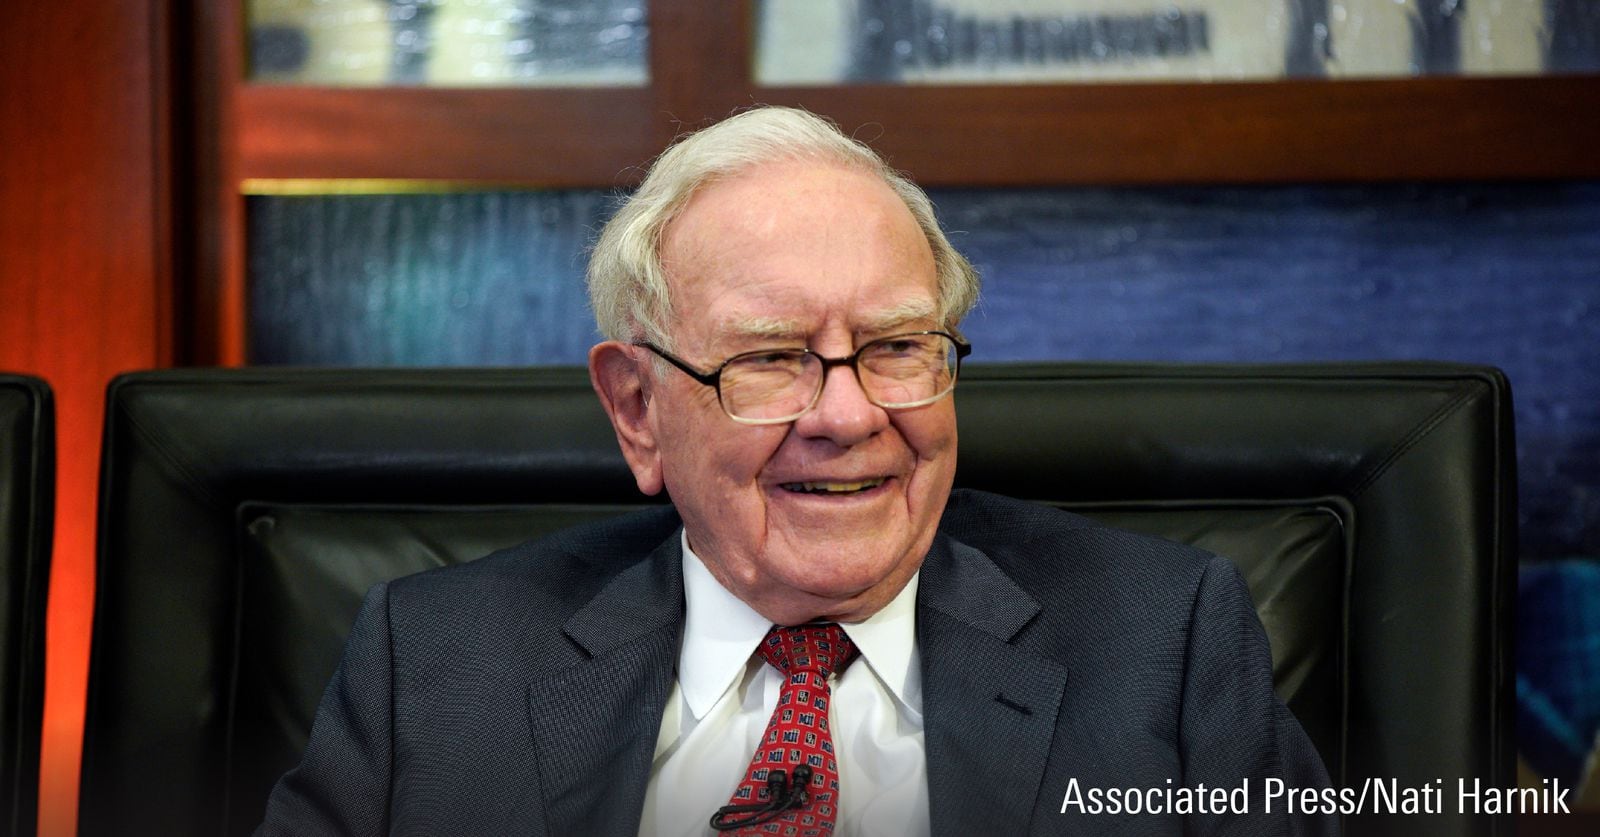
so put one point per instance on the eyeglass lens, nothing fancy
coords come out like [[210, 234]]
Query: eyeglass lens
[[895, 372]]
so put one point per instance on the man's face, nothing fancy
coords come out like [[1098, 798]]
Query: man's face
[[809, 255]]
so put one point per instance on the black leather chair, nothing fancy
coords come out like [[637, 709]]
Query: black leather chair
[[1370, 506], [27, 502]]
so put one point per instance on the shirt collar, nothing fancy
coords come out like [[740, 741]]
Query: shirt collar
[[721, 633]]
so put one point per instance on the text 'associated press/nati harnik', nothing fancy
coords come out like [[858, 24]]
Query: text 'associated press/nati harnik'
[[1373, 796]]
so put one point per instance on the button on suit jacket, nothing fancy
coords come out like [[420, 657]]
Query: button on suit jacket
[[523, 693]]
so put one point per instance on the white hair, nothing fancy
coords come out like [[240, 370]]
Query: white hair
[[627, 283]]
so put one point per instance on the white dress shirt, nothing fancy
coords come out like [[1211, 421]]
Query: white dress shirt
[[725, 694]]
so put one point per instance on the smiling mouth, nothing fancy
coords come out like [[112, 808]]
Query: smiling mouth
[[834, 488]]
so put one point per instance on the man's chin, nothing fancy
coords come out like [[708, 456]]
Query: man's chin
[[847, 590]]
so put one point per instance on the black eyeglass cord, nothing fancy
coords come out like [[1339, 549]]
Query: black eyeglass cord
[[781, 796]]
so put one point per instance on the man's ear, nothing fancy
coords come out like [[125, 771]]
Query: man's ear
[[620, 379]]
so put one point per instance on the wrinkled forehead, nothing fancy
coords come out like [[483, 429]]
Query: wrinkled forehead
[[791, 251], [801, 311]]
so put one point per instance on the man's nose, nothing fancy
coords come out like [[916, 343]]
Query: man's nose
[[842, 412]]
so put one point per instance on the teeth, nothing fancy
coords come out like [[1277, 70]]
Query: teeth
[[833, 487]]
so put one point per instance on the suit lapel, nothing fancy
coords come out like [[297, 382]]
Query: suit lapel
[[595, 725], [989, 706]]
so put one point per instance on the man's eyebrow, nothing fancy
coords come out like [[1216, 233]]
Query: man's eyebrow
[[778, 328], [769, 328], [909, 311]]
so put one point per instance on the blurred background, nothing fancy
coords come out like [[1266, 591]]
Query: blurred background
[[415, 182]]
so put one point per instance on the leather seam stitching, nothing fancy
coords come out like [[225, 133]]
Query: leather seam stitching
[[177, 465], [1412, 439]]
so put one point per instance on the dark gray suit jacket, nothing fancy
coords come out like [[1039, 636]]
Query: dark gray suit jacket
[[522, 693]]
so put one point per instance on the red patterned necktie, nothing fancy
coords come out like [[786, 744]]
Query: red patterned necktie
[[798, 732]]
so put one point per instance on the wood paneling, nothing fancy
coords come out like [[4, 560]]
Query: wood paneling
[[1258, 132], [83, 260], [700, 55], [1261, 132], [208, 206], [571, 137]]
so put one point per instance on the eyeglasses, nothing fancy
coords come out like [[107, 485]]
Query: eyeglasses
[[772, 386]]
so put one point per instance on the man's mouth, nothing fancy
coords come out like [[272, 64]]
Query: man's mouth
[[834, 488]]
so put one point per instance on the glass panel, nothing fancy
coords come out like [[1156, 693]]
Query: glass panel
[[474, 278], [449, 42], [1025, 41]]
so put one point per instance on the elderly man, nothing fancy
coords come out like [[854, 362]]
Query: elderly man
[[820, 637]]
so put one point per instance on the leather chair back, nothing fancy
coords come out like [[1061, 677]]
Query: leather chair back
[[27, 501], [1371, 508]]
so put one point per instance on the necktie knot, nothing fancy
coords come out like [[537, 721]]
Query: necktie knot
[[822, 648]]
